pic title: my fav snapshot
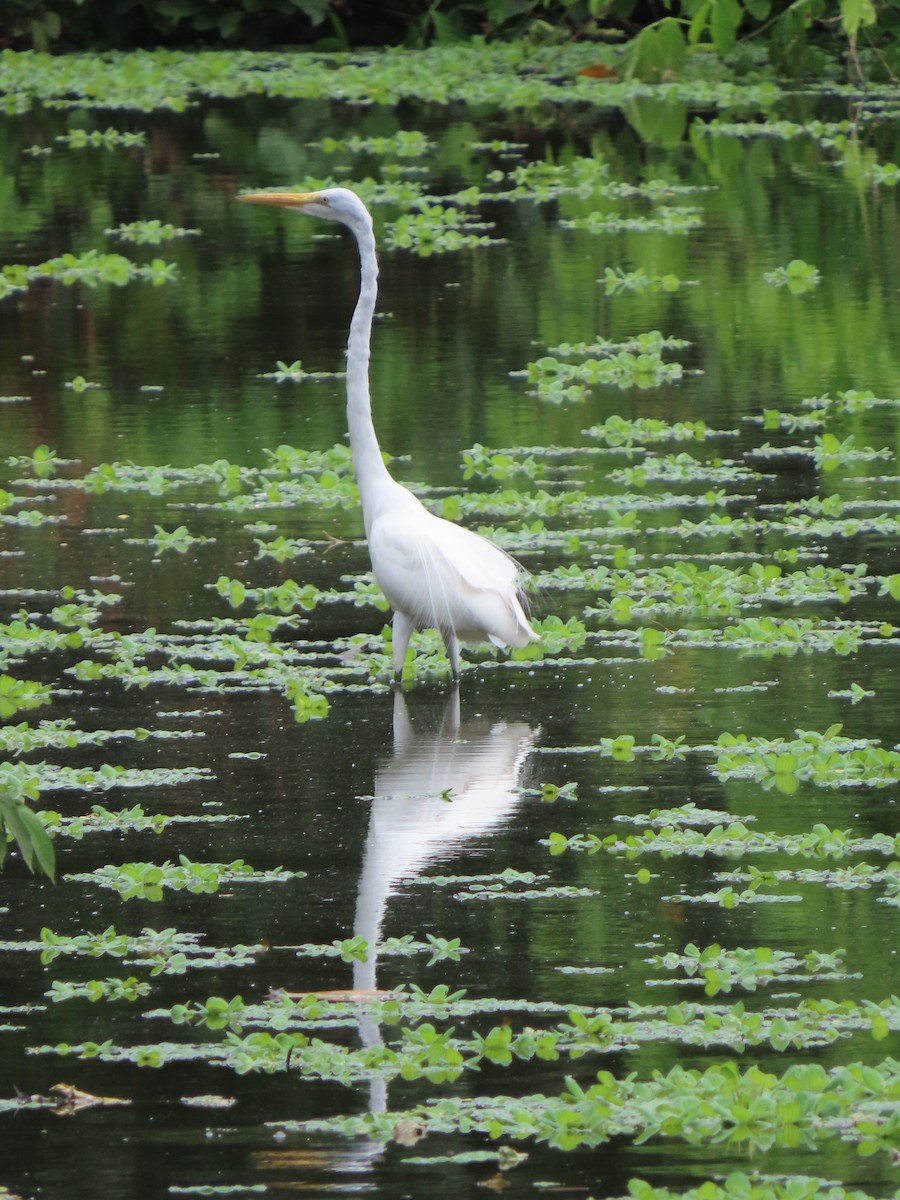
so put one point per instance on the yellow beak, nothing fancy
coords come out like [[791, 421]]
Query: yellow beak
[[284, 199]]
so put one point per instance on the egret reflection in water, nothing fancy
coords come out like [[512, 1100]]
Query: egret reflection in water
[[435, 792]]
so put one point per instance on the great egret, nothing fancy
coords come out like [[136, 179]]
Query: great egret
[[434, 574]]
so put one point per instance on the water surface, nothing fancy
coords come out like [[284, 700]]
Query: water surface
[[391, 791]]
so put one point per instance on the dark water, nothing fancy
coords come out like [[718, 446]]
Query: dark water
[[254, 288]]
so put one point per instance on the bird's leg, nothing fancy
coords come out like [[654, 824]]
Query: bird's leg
[[451, 642], [402, 631]]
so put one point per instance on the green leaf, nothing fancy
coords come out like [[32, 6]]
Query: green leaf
[[659, 51], [856, 15], [880, 1028], [30, 836], [558, 843], [699, 22], [723, 25]]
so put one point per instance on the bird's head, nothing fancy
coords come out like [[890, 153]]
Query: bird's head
[[333, 204]]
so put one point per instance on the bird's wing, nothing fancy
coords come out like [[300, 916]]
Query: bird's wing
[[413, 540], [441, 574], [479, 563]]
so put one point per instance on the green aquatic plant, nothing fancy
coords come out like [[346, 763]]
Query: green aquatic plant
[[214, 1013], [685, 814], [766, 636], [295, 372], [79, 385], [150, 233], [437, 229], [619, 431], [19, 638], [829, 451], [357, 949], [848, 877], [543, 180], [97, 139], [791, 422], [851, 400], [146, 881], [557, 380], [723, 970], [574, 1030], [508, 76], [729, 841], [806, 1105], [164, 952], [499, 465], [292, 476], [616, 281], [482, 893], [685, 586], [31, 519], [667, 218], [854, 694], [43, 462], [283, 597], [405, 143], [50, 776], [829, 134], [91, 269], [109, 989], [828, 759], [126, 820], [556, 636], [281, 549], [551, 792], [180, 540], [885, 174], [681, 468], [738, 1185], [21, 695], [798, 276]]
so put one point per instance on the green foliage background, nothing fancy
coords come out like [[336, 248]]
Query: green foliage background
[[658, 33]]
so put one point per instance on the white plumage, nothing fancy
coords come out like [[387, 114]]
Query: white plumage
[[434, 574]]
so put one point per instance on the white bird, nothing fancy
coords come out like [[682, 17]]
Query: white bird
[[435, 575]]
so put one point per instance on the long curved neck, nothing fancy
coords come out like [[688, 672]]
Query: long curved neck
[[368, 464]]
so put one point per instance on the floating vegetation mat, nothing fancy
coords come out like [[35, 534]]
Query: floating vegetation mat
[[620, 916]]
